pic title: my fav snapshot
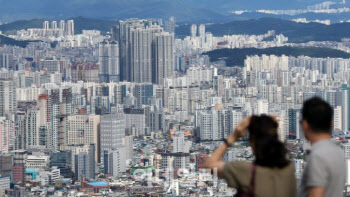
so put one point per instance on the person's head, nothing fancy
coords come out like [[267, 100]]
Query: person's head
[[269, 151], [317, 117]]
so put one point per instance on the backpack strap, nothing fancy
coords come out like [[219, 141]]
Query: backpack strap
[[252, 180]]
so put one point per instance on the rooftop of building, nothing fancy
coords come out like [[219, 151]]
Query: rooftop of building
[[98, 184]]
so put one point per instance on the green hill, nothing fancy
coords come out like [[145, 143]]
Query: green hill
[[236, 57], [296, 32], [9, 41]]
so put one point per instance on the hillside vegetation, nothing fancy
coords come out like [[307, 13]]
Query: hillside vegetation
[[236, 57]]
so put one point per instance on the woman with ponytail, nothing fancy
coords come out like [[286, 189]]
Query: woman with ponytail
[[270, 174]]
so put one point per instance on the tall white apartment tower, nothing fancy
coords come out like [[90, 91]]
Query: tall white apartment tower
[[62, 25], [163, 57], [8, 101], [54, 25], [70, 28], [141, 53], [201, 30], [194, 30], [46, 25]]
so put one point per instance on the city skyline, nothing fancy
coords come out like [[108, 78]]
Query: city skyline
[[136, 106]]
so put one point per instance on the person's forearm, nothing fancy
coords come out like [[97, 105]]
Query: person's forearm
[[220, 151], [316, 192]]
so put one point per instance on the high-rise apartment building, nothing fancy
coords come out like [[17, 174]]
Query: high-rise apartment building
[[163, 57], [180, 145], [193, 30], [54, 25], [7, 133], [6, 61], [8, 101], [137, 61], [51, 64], [115, 33], [66, 109], [169, 26], [294, 132], [109, 69], [217, 124], [46, 25], [62, 25], [143, 92], [70, 28], [32, 130], [50, 111], [201, 30]]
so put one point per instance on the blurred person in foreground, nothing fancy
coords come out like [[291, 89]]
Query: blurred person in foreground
[[270, 174], [324, 174]]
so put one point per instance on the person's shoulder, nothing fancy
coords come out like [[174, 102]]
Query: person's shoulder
[[327, 152], [239, 165], [326, 146]]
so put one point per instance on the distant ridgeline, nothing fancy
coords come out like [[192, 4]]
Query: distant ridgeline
[[296, 32], [236, 57]]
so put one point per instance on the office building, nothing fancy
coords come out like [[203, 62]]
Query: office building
[[38, 160], [175, 161], [6, 164], [84, 130], [84, 163], [63, 161], [180, 145], [19, 168], [143, 92], [129, 147], [52, 65], [294, 116], [135, 121], [112, 131], [115, 161]]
